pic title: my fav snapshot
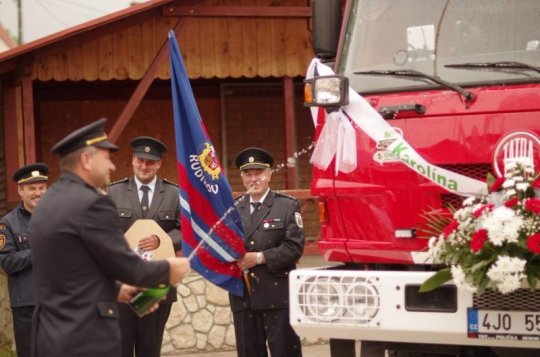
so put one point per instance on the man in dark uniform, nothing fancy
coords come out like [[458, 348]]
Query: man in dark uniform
[[15, 254], [274, 240], [79, 254], [145, 195]]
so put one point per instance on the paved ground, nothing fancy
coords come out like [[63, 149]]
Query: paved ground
[[307, 351]]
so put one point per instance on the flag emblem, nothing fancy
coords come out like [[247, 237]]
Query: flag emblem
[[209, 161]]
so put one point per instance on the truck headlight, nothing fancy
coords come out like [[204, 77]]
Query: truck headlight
[[324, 299], [362, 300], [344, 300], [326, 91]]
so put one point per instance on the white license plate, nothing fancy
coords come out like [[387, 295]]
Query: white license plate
[[503, 325]]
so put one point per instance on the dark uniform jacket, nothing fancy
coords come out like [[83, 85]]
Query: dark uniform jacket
[[16, 257], [164, 209], [79, 252], [278, 233]]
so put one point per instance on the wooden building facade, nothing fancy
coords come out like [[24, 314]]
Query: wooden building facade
[[245, 60]]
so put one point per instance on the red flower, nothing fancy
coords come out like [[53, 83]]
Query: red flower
[[481, 210], [451, 227], [533, 242], [536, 183], [497, 184], [533, 205], [478, 240], [511, 202]]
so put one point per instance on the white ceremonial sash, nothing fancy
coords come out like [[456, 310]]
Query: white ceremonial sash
[[338, 139]]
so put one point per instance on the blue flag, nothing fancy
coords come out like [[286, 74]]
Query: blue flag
[[211, 225]]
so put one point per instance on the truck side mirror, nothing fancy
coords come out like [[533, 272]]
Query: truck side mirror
[[326, 20]]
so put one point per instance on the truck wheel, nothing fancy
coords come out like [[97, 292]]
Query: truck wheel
[[342, 348]]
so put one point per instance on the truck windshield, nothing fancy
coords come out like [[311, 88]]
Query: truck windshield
[[427, 35]]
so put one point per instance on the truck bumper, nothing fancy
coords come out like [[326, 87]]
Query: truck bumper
[[377, 306]]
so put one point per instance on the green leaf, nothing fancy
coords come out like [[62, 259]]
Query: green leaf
[[531, 280], [490, 179], [436, 280], [482, 264]]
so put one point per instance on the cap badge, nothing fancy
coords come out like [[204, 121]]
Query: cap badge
[[251, 159], [147, 149], [35, 173]]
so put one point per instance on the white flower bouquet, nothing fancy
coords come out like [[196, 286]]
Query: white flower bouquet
[[492, 241]]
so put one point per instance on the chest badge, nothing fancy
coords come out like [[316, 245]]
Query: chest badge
[[298, 218], [2, 241], [266, 225]]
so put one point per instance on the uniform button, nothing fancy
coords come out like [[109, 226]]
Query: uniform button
[[110, 312], [275, 283], [161, 286], [251, 242], [252, 275], [122, 214], [167, 217]]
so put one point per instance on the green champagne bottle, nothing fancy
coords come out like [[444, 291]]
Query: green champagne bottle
[[144, 300]]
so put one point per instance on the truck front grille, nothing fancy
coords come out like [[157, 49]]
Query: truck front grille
[[476, 171], [518, 300]]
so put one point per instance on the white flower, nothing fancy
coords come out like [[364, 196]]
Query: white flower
[[508, 183], [469, 201], [460, 279], [502, 225], [507, 273], [522, 186], [510, 283]]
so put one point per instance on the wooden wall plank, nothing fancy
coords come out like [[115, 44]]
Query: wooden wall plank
[[148, 39], [278, 53], [135, 49], [206, 42], [235, 28], [60, 72], [190, 48], [75, 62], [251, 54], [221, 48], [264, 47], [28, 117], [105, 58], [41, 68], [11, 142], [121, 55], [90, 65]]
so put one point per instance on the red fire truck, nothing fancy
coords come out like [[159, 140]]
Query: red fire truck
[[457, 81]]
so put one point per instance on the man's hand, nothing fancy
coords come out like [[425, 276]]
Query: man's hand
[[247, 261], [128, 292], [178, 270], [149, 243]]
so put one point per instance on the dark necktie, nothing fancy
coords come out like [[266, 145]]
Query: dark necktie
[[144, 200], [256, 206]]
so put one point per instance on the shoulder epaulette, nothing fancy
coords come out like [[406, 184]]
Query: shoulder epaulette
[[237, 198], [170, 182], [284, 195], [125, 179]]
